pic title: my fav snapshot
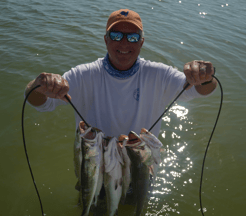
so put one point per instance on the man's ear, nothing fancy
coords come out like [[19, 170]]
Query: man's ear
[[142, 41], [105, 39]]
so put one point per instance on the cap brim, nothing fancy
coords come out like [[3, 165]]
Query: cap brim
[[140, 28]]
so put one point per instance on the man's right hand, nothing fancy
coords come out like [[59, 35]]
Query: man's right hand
[[51, 85]]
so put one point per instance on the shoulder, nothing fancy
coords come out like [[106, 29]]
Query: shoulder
[[84, 69], [96, 65], [157, 68]]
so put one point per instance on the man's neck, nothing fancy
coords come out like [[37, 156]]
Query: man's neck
[[127, 68], [120, 74]]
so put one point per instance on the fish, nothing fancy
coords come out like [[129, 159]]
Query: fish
[[100, 177], [78, 152], [154, 144], [126, 167], [77, 157], [91, 146], [112, 176], [140, 156]]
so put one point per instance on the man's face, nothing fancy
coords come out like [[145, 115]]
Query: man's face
[[123, 54]]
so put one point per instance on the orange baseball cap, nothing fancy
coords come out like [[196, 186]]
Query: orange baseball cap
[[124, 15]]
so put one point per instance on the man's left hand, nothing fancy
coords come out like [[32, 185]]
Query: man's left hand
[[198, 72]]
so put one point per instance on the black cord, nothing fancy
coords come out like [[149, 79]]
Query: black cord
[[186, 86], [169, 106], [76, 111], [24, 142], [205, 154], [23, 135]]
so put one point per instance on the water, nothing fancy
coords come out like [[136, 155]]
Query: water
[[53, 36]]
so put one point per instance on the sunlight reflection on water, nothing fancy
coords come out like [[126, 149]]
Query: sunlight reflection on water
[[174, 163]]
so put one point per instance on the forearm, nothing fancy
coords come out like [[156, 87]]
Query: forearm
[[208, 88], [35, 98]]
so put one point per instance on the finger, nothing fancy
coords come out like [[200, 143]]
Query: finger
[[64, 90], [202, 72], [41, 80], [207, 63], [65, 99], [58, 83], [209, 73], [49, 84], [209, 70], [195, 72], [187, 72], [199, 61]]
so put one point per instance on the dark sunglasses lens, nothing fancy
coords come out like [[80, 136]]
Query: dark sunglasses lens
[[133, 38], [116, 36]]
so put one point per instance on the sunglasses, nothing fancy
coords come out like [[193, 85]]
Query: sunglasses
[[131, 37]]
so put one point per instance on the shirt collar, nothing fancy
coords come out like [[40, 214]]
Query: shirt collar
[[120, 74]]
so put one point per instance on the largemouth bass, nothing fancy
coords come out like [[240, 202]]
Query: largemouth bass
[[112, 176], [91, 145], [140, 156]]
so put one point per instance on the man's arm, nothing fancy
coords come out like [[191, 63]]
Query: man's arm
[[51, 85], [200, 74]]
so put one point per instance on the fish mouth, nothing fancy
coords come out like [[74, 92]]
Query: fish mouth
[[90, 134], [133, 138], [121, 139], [144, 131]]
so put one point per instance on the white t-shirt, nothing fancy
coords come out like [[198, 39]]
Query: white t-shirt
[[117, 106]]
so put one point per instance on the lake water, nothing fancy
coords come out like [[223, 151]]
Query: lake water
[[53, 36]]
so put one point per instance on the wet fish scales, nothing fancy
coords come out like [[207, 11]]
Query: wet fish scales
[[89, 176], [126, 167], [113, 190], [100, 177], [77, 157], [155, 145], [140, 156], [112, 176], [91, 146], [140, 180]]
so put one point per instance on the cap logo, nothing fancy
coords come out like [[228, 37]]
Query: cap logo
[[124, 13]]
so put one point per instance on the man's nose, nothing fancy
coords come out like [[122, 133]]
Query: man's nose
[[124, 40]]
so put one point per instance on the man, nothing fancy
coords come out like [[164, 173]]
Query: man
[[122, 92]]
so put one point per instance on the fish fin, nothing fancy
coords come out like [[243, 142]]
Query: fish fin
[[151, 170]]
